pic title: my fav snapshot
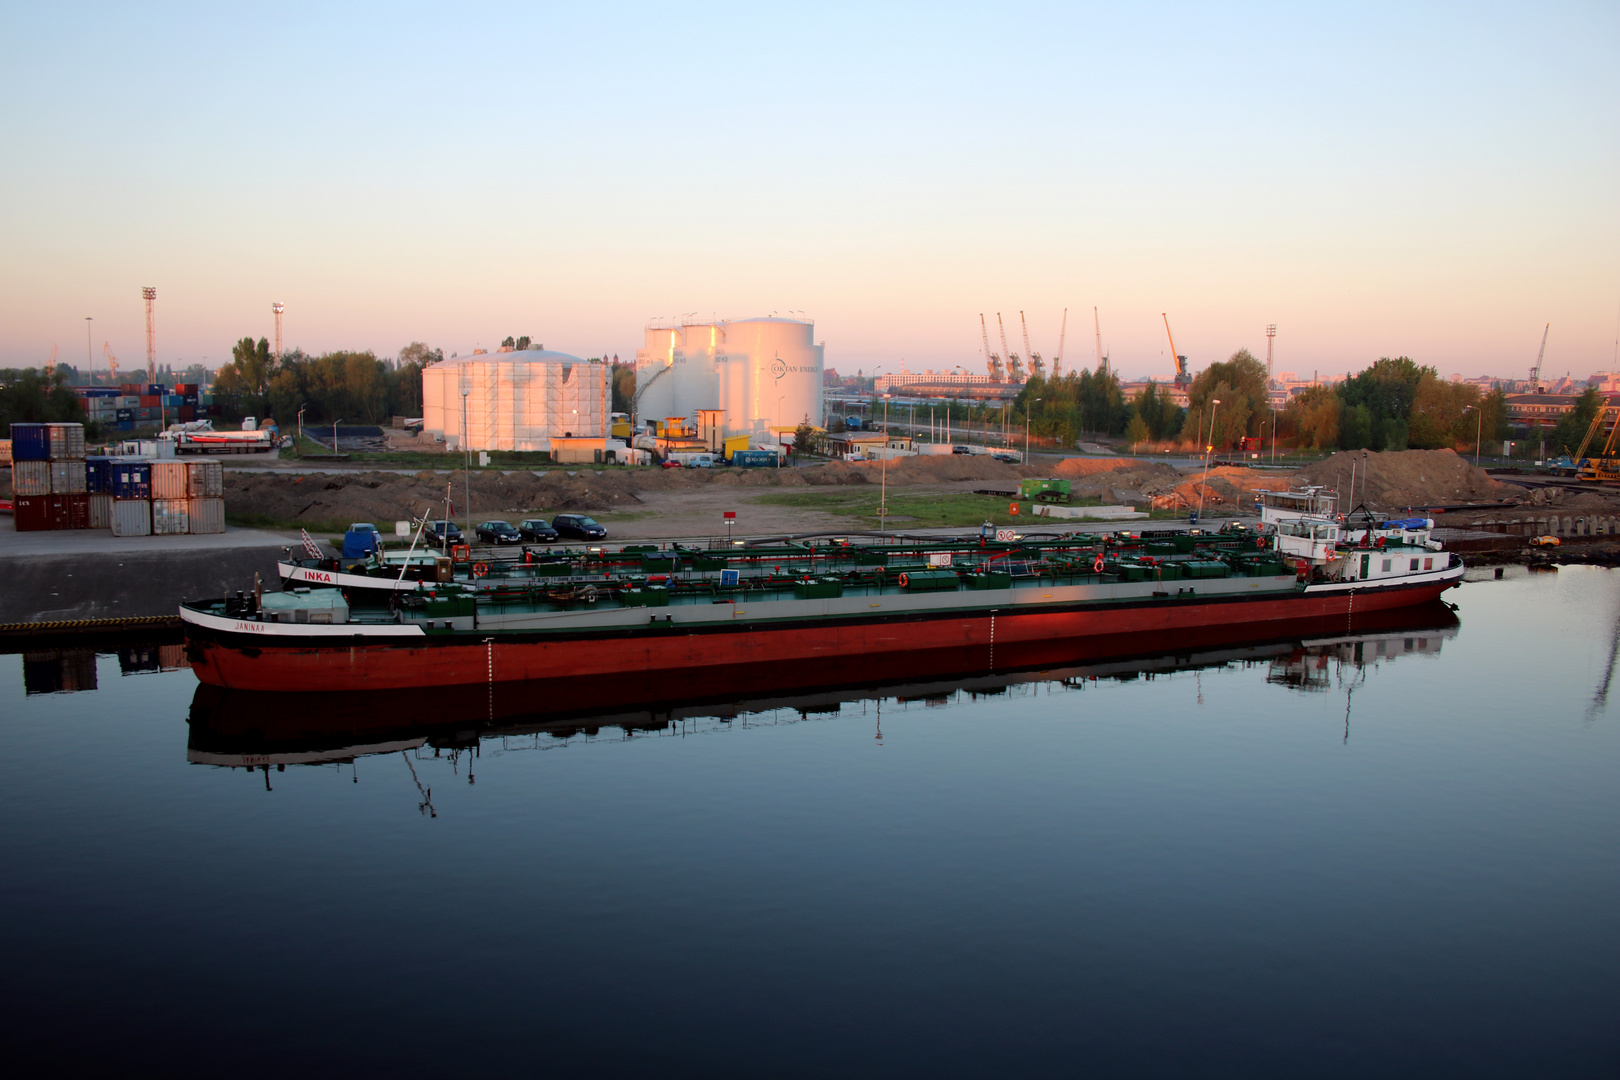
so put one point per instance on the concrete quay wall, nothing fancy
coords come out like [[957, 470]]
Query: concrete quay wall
[[96, 578]]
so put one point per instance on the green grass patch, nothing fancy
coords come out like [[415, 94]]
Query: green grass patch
[[946, 510]]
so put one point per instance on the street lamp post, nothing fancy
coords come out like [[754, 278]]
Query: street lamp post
[[883, 491], [1027, 412], [1209, 448], [301, 409], [335, 423], [1479, 431]]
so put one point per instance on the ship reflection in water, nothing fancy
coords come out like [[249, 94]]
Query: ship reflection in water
[[257, 731]]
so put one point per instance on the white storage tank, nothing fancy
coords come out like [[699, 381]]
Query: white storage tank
[[515, 400], [772, 375], [662, 352]]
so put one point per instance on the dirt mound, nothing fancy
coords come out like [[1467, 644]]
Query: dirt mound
[[1072, 467], [382, 497], [1403, 478], [946, 468]]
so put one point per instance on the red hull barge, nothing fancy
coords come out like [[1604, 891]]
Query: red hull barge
[[244, 655]]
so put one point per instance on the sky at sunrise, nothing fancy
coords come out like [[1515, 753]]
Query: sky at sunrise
[[1438, 181]]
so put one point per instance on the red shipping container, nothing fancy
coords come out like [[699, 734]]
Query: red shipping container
[[33, 512], [150, 401], [75, 511], [188, 413]]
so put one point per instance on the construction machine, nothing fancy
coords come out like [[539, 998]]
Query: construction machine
[[992, 361], [1601, 468], [1183, 379]]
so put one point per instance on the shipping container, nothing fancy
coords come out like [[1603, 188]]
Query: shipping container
[[125, 425], [149, 401], [188, 413], [74, 510], [30, 442], [171, 480], [31, 477], [171, 400], [101, 511], [125, 416], [132, 480], [32, 512], [169, 517], [206, 479], [129, 401], [131, 517], [152, 390], [66, 442], [68, 478], [98, 474], [755, 459], [205, 516]]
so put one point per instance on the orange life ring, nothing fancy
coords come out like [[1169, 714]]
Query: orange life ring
[[1260, 542], [904, 580], [480, 569], [1097, 563]]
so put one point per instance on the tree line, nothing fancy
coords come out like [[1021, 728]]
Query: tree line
[[342, 385], [30, 396], [1394, 404]]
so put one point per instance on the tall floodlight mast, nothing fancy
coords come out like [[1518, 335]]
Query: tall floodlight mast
[[278, 307], [1271, 336], [149, 294]]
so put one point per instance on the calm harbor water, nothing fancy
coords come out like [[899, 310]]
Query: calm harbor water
[[1392, 853]]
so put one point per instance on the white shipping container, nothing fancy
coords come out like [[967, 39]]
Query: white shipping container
[[169, 516], [31, 477], [131, 517], [205, 515], [101, 511], [171, 480], [67, 477], [207, 480], [67, 442]]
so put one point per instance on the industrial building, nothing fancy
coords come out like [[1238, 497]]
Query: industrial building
[[762, 376], [515, 400]]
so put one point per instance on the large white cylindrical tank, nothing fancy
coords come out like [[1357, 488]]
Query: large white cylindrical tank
[[513, 401], [773, 375], [696, 385], [656, 363]]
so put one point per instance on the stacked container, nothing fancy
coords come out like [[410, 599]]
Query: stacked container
[[171, 489], [48, 477], [205, 506], [130, 484]]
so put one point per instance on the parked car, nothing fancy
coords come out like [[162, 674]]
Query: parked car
[[1010, 459], [578, 526], [497, 532], [960, 450], [537, 529], [670, 463], [443, 532], [366, 526]]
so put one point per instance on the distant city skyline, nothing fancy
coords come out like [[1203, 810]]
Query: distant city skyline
[[1433, 181]]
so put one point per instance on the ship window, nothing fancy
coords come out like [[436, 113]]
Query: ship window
[[1414, 564], [1387, 564], [1428, 564]]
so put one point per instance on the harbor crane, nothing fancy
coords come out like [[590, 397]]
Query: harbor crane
[[1057, 361], [1037, 366], [112, 362], [1096, 325], [992, 361], [1182, 378], [1535, 372], [1015, 366]]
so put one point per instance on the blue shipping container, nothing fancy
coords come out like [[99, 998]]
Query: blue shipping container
[[154, 389], [124, 416], [754, 459], [172, 400], [132, 479], [98, 475], [30, 442], [126, 425]]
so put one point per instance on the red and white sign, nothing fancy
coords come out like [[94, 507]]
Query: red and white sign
[[1005, 536], [731, 515]]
